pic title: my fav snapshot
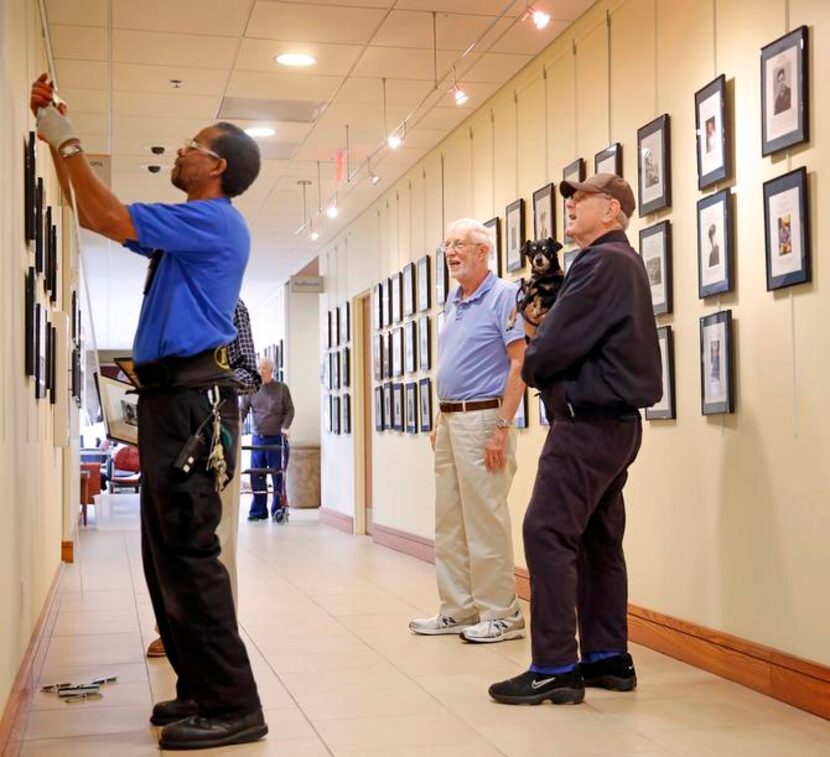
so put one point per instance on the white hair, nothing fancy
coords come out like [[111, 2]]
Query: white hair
[[266, 362], [477, 231], [623, 220]]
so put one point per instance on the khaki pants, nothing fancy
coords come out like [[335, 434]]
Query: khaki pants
[[473, 542], [228, 529]]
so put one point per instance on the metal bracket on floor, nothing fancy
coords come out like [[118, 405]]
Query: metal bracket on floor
[[77, 692]]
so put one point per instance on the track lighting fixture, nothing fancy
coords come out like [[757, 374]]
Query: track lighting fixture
[[459, 95], [539, 17]]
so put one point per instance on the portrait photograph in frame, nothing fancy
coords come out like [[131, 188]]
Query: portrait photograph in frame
[[346, 410], [654, 165], [712, 129], [40, 263], [410, 363], [47, 249], [785, 115], [377, 307], [397, 407], [30, 317], [30, 183], [664, 409], [378, 408], [544, 213], [514, 225], [425, 404], [409, 289], [397, 351], [387, 407], [424, 343], [609, 160], [655, 249], [397, 294], [494, 261], [787, 230], [424, 284], [411, 409], [334, 369], [119, 408], [377, 357], [345, 323], [717, 394], [346, 367], [442, 276], [572, 172], [714, 244], [387, 302], [335, 414]]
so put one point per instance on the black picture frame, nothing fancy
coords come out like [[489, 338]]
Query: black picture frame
[[40, 261], [387, 356], [514, 232], [387, 302], [48, 255], [714, 244], [41, 367], [346, 410], [377, 306], [387, 406], [346, 367], [544, 212], [787, 230], [334, 370], [335, 414], [494, 259], [410, 347], [712, 130], [609, 159], [397, 351], [656, 251], [424, 284], [654, 165], [397, 297], [29, 184], [411, 407], [75, 379], [574, 171], [55, 256], [425, 404], [442, 276], [30, 318], [52, 383], [345, 323], [408, 289], [785, 111], [397, 407], [379, 426], [717, 383], [329, 330], [424, 343], [665, 409], [119, 408], [377, 356], [520, 419]]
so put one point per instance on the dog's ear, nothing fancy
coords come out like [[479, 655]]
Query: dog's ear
[[552, 246]]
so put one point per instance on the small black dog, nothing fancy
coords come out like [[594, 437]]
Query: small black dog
[[538, 293]]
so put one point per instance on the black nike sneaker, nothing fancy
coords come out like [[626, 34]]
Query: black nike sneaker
[[614, 673], [535, 688]]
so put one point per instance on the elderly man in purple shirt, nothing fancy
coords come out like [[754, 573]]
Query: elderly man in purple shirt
[[479, 389]]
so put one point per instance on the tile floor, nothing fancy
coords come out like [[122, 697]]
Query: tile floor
[[324, 617]]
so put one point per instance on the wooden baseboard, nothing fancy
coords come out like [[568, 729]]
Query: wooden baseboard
[[13, 722], [67, 551], [401, 541], [337, 520]]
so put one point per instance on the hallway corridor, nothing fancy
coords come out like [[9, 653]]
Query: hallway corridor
[[325, 619]]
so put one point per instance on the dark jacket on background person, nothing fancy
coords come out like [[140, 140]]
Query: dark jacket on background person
[[597, 348], [271, 407]]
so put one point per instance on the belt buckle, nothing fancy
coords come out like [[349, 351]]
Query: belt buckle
[[463, 406]]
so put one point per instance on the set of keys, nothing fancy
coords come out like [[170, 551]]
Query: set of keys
[[78, 692], [216, 459]]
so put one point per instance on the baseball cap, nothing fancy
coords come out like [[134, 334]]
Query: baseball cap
[[606, 183]]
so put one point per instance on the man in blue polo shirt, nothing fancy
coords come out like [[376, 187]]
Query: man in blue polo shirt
[[198, 252], [479, 389]]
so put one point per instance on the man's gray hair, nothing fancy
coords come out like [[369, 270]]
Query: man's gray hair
[[477, 231], [623, 220], [266, 362]]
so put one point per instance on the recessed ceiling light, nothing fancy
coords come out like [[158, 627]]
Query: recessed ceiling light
[[540, 19], [295, 59], [394, 141], [260, 131]]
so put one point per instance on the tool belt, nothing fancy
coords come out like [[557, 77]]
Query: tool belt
[[469, 405], [208, 368]]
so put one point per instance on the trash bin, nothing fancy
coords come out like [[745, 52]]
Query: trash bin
[[302, 479]]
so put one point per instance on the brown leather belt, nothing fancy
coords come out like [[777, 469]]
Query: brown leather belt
[[465, 407]]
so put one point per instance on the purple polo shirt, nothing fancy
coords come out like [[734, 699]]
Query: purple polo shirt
[[472, 345]]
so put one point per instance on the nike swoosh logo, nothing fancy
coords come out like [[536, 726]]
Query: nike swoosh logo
[[541, 682]]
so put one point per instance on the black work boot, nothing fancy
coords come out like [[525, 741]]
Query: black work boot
[[613, 673], [535, 688], [172, 710], [205, 733]]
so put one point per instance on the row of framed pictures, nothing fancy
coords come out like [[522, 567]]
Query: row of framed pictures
[[404, 349], [337, 369], [337, 413], [339, 326], [408, 291], [41, 343], [41, 233]]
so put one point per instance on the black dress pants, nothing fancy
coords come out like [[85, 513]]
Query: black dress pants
[[189, 587], [573, 534]]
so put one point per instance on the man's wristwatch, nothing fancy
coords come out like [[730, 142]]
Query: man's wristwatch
[[70, 149], [503, 423]]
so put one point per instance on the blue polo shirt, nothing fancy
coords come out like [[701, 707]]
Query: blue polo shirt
[[472, 356], [189, 307]]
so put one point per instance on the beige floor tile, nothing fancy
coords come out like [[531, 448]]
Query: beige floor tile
[[79, 720], [118, 694], [741, 741], [95, 649], [267, 747], [137, 743], [77, 601], [354, 660], [70, 623], [368, 703], [274, 644], [378, 676], [131, 672]]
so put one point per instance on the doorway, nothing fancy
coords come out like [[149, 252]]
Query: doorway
[[363, 437]]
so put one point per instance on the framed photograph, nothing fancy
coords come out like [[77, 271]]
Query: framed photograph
[[520, 419], [711, 128], [53, 367], [346, 367], [119, 407], [387, 302], [785, 114], [442, 276], [424, 284], [30, 317], [346, 410], [425, 397], [664, 409], [397, 351], [387, 356], [50, 387], [377, 357], [335, 413], [716, 369], [281, 354], [334, 369], [424, 344], [568, 258], [345, 323], [714, 244], [572, 172], [609, 160], [544, 213], [30, 183], [543, 413], [397, 407], [41, 329], [409, 289], [410, 346], [387, 407], [787, 229], [412, 408], [40, 263], [330, 329], [397, 283], [654, 165], [514, 224], [327, 413], [377, 307], [379, 408], [76, 381], [655, 249], [494, 261]]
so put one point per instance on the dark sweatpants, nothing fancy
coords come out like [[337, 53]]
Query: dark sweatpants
[[573, 534], [189, 587]]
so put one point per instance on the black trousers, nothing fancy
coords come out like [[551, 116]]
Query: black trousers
[[573, 534], [189, 587]]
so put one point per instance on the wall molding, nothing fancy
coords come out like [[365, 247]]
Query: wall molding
[[67, 551], [335, 519], [13, 721], [401, 541]]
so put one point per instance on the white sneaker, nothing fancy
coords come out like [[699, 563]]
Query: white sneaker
[[496, 629], [438, 625]]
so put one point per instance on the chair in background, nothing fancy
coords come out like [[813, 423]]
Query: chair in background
[[90, 485], [126, 470]]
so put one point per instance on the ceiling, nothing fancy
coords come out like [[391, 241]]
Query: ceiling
[[115, 61]]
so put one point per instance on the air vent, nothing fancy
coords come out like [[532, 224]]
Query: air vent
[[249, 109]]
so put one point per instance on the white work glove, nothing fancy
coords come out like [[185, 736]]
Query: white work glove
[[54, 127]]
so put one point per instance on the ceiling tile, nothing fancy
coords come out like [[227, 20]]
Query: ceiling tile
[[414, 29], [292, 22], [170, 106], [492, 67], [90, 123], [258, 55], [132, 77], [81, 74], [369, 91], [85, 100], [79, 42], [472, 7], [80, 12], [282, 86], [155, 130], [173, 49], [224, 18], [396, 63]]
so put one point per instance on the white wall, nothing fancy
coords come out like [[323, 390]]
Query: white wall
[[728, 516]]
